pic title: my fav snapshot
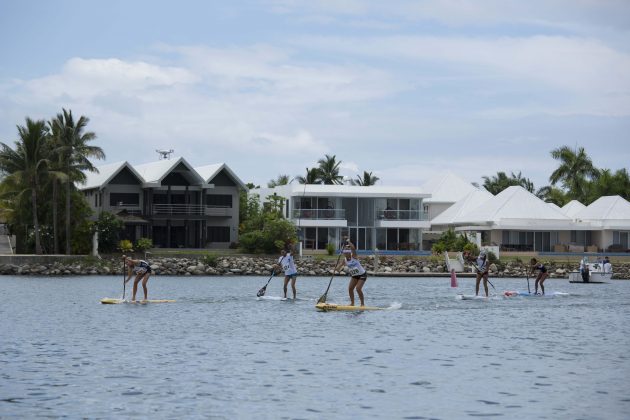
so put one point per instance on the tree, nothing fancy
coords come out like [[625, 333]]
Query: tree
[[280, 180], [501, 181], [72, 145], [608, 183], [552, 195], [312, 177], [574, 172], [329, 170], [26, 166], [367, 180]]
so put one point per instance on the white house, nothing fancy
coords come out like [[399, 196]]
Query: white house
[[383, 217], [608, 220]]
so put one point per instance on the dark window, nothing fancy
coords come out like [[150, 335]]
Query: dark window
[[127, 199], [96, 200], [218, 233], [219, 200]]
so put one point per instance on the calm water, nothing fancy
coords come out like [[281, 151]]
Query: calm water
[[219, 353]]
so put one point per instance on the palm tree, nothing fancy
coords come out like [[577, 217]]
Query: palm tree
[[501, 181], [72, 145], [365, 181], [26, 165], [312, 177], [280, 180], [574, 171], [329, 170], [552, 195]]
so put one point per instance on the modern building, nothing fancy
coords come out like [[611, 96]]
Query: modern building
[[382, 217], [169, 201]]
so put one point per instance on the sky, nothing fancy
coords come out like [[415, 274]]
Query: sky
[[402, 89]]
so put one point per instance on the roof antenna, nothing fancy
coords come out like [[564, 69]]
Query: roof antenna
[[165, 154]]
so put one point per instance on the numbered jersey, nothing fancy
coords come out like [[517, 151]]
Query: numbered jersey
[[288, 264], [354, 267]]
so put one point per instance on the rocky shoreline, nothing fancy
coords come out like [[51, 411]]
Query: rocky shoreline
[[261, 266]]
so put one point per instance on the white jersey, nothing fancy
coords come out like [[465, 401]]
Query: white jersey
[[354, 267], [288, 264], [482, 264]]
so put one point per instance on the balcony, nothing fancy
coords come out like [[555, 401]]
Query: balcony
[[190, 210], [402, 219], [317, 214], [320, 217]]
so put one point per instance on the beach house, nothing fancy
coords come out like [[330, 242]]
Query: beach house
[[169, 201], [386, 218]]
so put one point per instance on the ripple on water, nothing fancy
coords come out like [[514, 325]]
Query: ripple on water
[[220, 352]]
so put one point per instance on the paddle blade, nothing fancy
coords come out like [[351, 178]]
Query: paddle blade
[[261, 292]]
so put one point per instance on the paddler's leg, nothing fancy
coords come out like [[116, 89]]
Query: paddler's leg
[[351, 286], [536, 285], [144, 285], [286, 281], [478, 280], [293, 279], [360, 284], [543, 276], [135, 286]]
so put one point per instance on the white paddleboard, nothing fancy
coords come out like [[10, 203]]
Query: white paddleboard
[[114, 301]]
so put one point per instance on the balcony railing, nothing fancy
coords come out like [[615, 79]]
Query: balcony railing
[[190, 210], [329, 214], [415, 215], [132, 209]]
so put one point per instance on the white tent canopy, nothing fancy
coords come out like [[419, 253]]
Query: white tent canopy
[[608, 212], [516, 208], [447, 187], [572, 208], [467, 204]]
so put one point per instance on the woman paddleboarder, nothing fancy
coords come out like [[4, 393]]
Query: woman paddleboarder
[[542, 275], [142, 270], [287, 263], [356, 270]]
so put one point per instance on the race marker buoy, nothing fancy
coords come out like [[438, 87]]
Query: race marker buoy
[[453, 278]]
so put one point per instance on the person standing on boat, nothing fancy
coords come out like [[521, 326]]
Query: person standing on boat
[[607, 265], [287, 263], [142, 270], [356, 270], [542, 275]]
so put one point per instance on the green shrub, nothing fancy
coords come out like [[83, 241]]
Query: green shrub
[[210, 259], [143, 244], [438, 248], [330, 248], [125, 246]]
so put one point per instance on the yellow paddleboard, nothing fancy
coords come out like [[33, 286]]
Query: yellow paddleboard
[[325, 307], [112, 301]]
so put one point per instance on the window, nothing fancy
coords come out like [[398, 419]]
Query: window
[[124, 199], [218, 234], [219, 200]]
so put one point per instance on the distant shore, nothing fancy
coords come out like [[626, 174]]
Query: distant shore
[[419, 267]]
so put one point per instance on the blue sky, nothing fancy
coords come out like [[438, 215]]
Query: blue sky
[[404, 89]]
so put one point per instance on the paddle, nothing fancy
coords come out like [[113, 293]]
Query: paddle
[[263, 289], [124, 279], [528, 289], [322, 298]]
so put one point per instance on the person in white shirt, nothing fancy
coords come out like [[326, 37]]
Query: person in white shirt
[[356, 270], [607, 265], [287, 263]]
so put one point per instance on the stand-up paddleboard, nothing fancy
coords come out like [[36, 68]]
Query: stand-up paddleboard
[[588, 282], [113, 301], [270, 298], [472, 297], [515, 293], [327, 307]]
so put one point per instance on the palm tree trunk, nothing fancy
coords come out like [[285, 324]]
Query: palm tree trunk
[[68, 217], [55, 200], [38, 245]]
